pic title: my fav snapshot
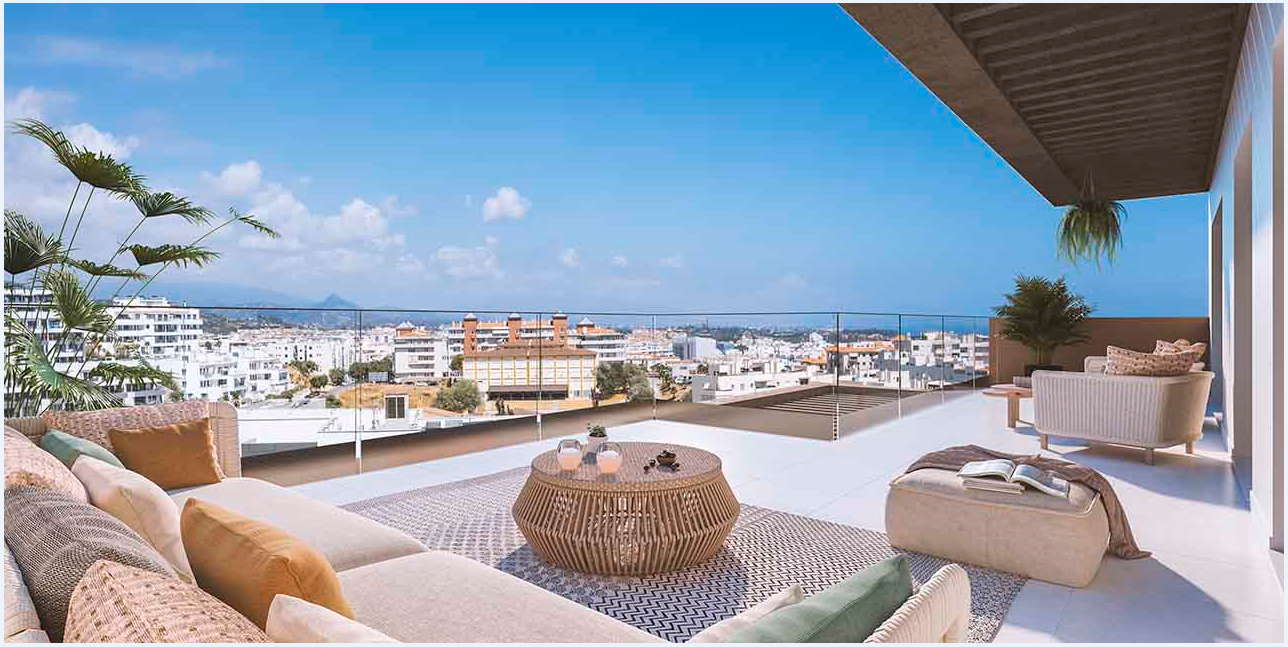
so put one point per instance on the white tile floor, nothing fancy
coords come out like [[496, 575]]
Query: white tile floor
[[1210, 578]]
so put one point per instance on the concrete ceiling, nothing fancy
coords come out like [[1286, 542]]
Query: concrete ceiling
[[1134, 94]]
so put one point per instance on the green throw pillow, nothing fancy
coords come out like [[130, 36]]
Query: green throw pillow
[[67, 448], [846, 613]]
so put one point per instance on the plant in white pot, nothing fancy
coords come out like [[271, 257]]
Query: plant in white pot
[[1043, 315]]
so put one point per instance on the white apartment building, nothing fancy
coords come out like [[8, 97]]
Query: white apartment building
[[609, 344], [207, 376], [420, 356], [329, 350], [377, 343], [471, 334], [694, 347], [153, 327], [739, 376]]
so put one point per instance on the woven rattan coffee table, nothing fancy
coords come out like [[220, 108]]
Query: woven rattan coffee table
[[633, 522]]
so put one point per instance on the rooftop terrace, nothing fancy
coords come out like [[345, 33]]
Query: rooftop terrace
[[1209, 578]]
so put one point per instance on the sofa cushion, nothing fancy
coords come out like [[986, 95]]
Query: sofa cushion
[[177, 455], [721, 631], [1163, 347], [1122, 361], [115, 603], [847, 612], [344, 538], [470, 602], [19, 611], [67, 448], [27, 464], [292, 620], [94, 425], [55, 539], [246, 562], [139, 504]]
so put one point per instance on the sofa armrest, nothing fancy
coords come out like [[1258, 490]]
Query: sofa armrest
[[32, 428], [938, 612], [223, 424]]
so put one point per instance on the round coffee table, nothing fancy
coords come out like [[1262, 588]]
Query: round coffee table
[[630, 523]]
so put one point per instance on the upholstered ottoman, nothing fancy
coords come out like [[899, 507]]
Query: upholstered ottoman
[[1033, 534]]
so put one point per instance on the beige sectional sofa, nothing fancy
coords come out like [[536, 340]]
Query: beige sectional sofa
[[397, 586]]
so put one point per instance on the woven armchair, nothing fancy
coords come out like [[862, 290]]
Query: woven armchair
[[1146, 412]]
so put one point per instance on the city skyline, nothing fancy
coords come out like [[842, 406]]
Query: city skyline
[[593, 158]]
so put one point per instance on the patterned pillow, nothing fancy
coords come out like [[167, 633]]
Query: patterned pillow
[[27, 464], [116, 603], [55, 539], [1180, 346], [94, 425], [1129, 362]]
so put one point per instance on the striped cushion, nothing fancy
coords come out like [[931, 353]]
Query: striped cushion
[[94, 425], [55, 539], [26, 464], [116, 603], [1122, 361]]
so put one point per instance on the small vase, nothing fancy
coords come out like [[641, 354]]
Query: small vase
[[592, 447]]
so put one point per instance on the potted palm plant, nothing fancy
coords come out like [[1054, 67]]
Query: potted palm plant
[[1043, 315]]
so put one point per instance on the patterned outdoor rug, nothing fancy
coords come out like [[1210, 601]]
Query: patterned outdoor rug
[[767, 551]]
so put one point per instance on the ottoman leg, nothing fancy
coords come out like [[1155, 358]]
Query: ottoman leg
[[1012, 410], [1189, 447], [1149, 455], [1043, 438]]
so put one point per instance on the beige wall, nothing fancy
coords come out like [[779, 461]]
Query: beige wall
[[1007, 358]]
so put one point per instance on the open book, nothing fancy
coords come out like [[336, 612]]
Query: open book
[[982, 474]]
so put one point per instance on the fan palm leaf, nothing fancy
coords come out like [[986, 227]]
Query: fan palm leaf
[[155, 205], [96, 269], [115, 374], [33, 378], [75, 307], [27, 246], [181, 255], [96, 169]]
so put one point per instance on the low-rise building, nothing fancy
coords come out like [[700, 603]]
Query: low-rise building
[[420, 356], [530, 369]]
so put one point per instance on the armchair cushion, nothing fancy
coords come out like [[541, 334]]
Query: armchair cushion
[[1129, 362]]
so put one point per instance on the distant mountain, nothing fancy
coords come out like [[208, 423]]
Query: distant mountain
[[338, 302]]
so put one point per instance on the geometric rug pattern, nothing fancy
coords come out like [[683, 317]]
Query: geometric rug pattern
[[767, 551]]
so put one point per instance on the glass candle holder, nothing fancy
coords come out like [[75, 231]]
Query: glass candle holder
[[568, 454], [609, 458]]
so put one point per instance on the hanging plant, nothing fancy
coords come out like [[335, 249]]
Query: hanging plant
[[1091, 227]]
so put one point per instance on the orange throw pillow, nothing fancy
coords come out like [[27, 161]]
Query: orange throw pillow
[[246, 563], [172, 456]]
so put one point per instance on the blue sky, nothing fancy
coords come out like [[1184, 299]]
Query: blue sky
[[584, 157]]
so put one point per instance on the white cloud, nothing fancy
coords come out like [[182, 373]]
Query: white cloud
[[470, 263], [620, 261], [237, 180], [507, 203], [792, 282], [87, 136], [140, 61], [395, 208], [31, 103], [673, 261], [570, 258]]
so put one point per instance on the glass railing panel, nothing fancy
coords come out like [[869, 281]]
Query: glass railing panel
[[869, 363], [966, 353], [765, 372]]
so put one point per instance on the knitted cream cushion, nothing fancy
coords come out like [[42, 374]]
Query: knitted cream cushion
[[94, 425], [19, 611], [26, 464], [55, 539], [721, 631], [116, 603], [1129, 362]]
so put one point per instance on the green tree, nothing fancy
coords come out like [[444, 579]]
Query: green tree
[[317, 382], [666, 377], [305, 367], [337, 377], [1043, 315], [458, 362], [638, 388], [43, 263], [461, 396]]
